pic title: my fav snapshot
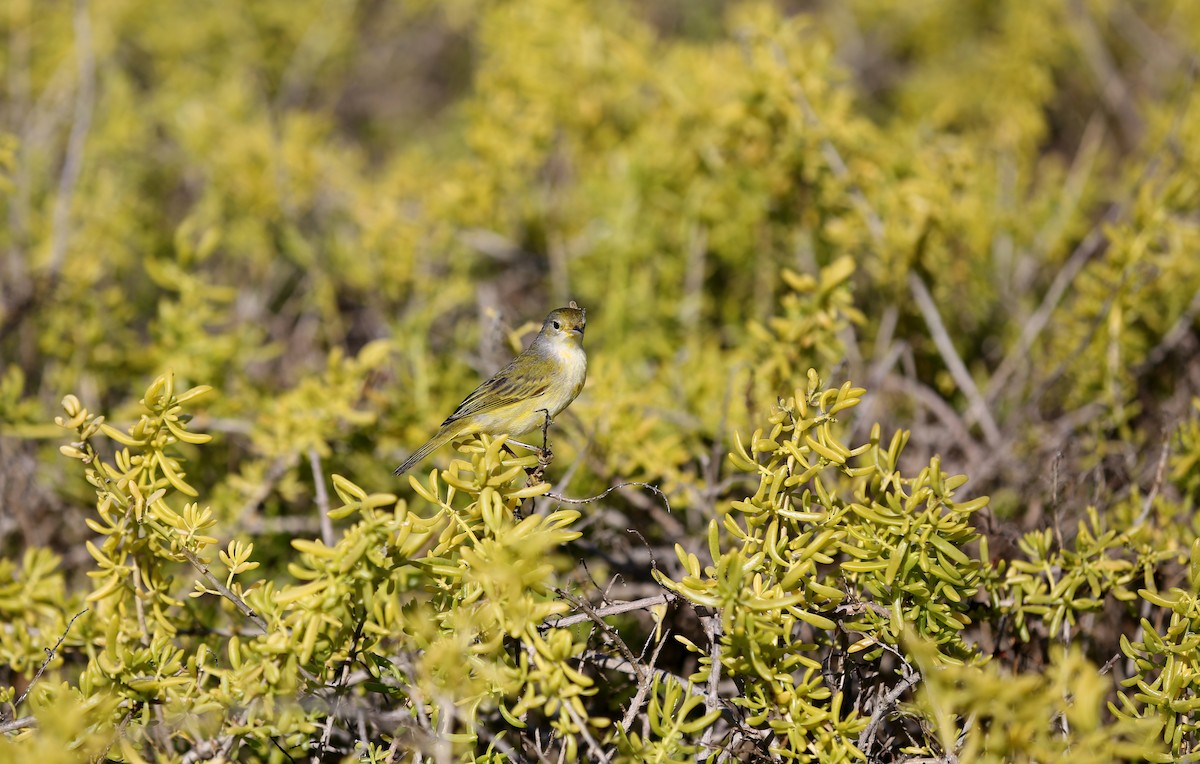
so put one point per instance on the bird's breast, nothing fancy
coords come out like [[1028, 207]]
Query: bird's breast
[[571, 373]]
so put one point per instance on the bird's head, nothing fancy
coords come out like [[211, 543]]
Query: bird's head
[[566, 324]]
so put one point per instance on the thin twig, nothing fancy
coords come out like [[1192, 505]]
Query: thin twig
[[941, 338], [322, 498], [597, 752], [652, 488], [608, 631], [884, 707], [712, 630], [615, 609], [1018, 357], [542, 502], [1055, 503], [859, 607], [223, 590], [442, 749], [206, 750], [639, 699], [50, 653], [120, 732], [73, 164], [1098, 321], [603, 660], [17, 724], [1108, 665], [1159, 473], [324, 744]]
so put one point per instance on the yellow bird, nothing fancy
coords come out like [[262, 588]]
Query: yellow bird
[[539, 383]]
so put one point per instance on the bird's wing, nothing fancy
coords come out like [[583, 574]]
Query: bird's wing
[[496, 393]]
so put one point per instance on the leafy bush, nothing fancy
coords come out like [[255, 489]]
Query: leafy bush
[[890, 448]]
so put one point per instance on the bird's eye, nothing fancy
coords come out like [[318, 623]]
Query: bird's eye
[[557, 325]]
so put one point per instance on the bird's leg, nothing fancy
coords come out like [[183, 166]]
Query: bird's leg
[[545, 455], [545, 449]]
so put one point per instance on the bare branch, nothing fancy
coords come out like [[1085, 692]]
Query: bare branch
[[84, 99], [712, 630], [597, 752], [120, 731], [608, 631], [1091, 245], [314, 461], [207, 750], [223, 590], [50, 653], [639, 699], [17, 724], [616, 609], [652, 488], [978, 407], [323, 746], [944, 412], [884, 707], [1159, 473], [888, 701], [620, 664]]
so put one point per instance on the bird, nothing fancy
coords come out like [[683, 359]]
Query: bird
[[530, 391]]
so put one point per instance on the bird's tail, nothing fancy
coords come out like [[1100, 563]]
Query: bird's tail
[[445, 435]]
